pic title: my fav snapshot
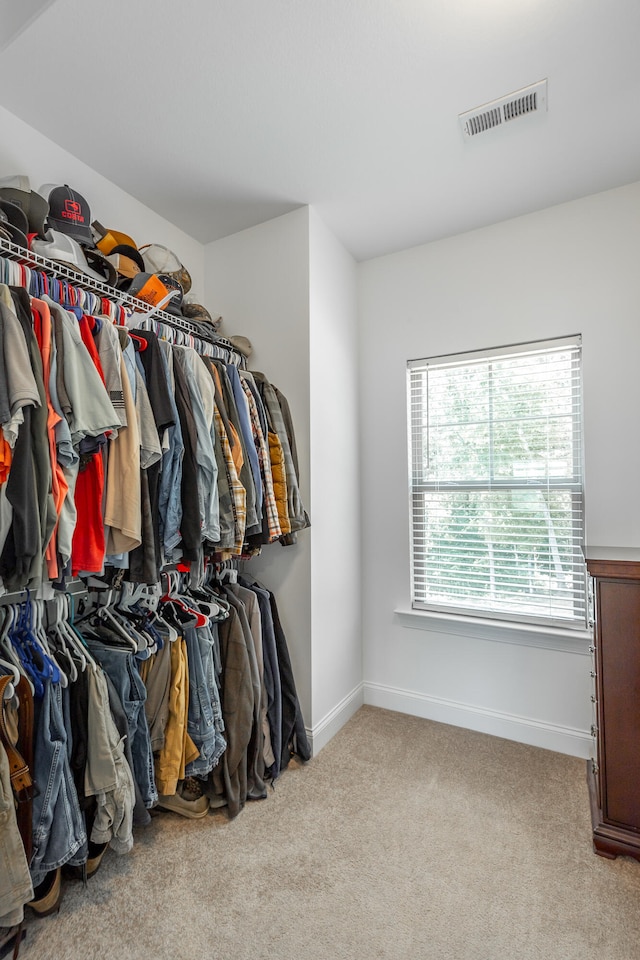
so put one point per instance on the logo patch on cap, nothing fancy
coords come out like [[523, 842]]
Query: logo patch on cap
[[72, 210], [69, 213]]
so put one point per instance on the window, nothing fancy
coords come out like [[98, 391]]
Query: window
[[496, 488]]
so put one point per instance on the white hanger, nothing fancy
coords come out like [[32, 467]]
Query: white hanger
[[40, 637], [12, 670], [69, 637], [6, 646], [66, 624], [171, 630], [5, 643], [61, 639], [130, 593]]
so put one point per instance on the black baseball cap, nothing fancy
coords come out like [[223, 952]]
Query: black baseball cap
[[131, 252], [18, 191], [174, 305], [14, 223], [69, 213], [15, 215]]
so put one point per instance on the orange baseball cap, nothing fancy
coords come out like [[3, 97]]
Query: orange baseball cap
[[108, 239], [150, 288]]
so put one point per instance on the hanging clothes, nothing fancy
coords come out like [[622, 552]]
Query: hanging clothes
[[124, 452]]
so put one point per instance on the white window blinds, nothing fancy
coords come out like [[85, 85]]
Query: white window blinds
[[496, 483]]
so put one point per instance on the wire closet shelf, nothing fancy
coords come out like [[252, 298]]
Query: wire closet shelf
[[35, 261]]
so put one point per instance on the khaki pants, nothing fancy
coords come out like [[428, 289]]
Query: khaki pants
[[15, 880], [178, 748]]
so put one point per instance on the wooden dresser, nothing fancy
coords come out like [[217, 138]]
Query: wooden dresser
[[614, 775]]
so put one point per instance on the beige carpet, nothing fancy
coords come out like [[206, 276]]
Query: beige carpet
[[402, 839]]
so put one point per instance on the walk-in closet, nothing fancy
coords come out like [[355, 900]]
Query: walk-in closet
[[144, 668]]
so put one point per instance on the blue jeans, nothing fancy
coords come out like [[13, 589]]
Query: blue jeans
[[205, 723], [122, 669], [170, 503], [59, 834]]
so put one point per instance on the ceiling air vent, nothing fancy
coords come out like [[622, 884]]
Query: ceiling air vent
[[522, 103]]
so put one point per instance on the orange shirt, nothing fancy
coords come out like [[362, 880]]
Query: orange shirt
[[6, 457], [59, 487]]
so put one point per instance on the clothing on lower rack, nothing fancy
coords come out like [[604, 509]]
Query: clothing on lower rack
[[121, 455], [108, 776], [121, 668], [293, 736], [131, 702], [59, 831]]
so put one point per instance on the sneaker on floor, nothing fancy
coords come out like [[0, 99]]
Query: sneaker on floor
[[190, 788], [188, 801]]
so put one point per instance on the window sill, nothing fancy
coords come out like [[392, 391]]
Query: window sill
[[500, 631]]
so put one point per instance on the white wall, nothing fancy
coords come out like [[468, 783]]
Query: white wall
[[335, 484], [258, 280], [569, 269], [291, 287], [24, 151]]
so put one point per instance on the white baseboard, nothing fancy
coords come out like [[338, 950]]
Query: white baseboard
[[322, 732], [574, 742]]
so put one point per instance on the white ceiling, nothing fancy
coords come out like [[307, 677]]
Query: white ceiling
[[16, 17], [220, 114]]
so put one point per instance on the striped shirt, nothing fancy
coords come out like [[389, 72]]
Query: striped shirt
[[271, 507], [236, 490]]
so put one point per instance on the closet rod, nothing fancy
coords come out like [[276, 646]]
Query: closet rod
[[35, 261], [76, 588]]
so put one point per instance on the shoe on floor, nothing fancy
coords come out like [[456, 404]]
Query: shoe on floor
[[47, 895], [188, 800], [96, 853], [86, 870]]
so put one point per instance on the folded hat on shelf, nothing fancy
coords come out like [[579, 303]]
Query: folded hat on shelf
[[68, 213], [64, 249], [127, 262], [242, 344], [14, 222], [150, 288], [18, 190], [161, 260], [107, 239], [101, 265], [12, 233], [195, 311], [130, 253], [174, 305]]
